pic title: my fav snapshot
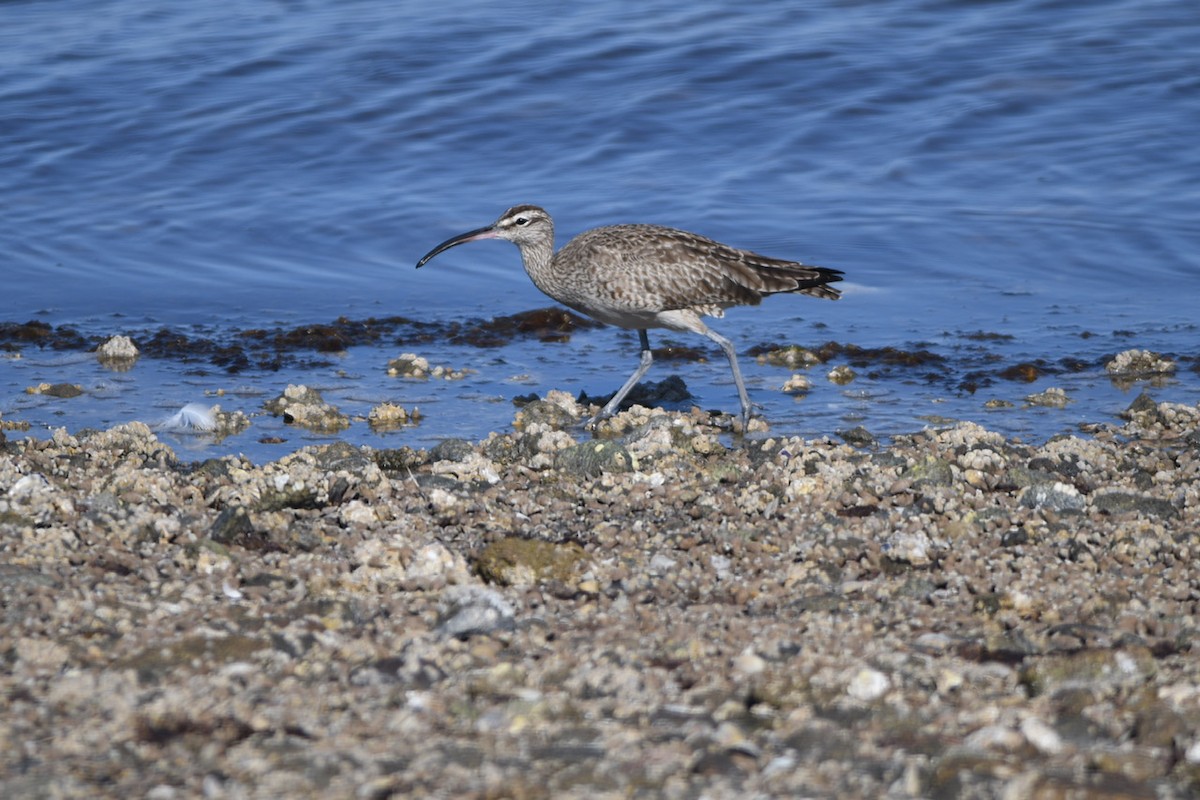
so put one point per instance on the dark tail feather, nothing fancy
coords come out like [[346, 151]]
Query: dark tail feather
[[818, 285]]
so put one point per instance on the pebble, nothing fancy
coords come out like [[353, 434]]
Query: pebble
[[118, 353], [300, 405], [388, 416], [1139, 362], [841, 375], [411, 365], [1041, 736], [797, 384], [1053, 397], [868, 685], [1055, 496], [474, 610], [792, 356]]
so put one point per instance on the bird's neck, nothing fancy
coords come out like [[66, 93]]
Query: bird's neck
[[537, 257]]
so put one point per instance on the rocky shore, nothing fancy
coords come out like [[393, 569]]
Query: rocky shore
[[662, 611]]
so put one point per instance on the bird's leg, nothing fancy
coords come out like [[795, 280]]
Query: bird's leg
[[727, 346], [610, 407]]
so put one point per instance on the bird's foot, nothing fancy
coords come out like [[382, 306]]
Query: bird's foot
[[593, 424], [747, 422]]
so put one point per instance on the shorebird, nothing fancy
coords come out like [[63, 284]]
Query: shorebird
[[647, 276]]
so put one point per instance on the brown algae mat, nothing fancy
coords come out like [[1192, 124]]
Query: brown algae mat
[[657, 612]]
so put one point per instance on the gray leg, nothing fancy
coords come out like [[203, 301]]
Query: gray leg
[[610, 407], [727, 346]]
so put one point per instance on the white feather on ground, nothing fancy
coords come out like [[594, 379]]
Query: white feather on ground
[[191, 418]]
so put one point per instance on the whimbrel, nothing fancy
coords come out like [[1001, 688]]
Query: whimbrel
[[647, 276]]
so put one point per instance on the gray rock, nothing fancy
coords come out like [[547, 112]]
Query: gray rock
[[231, 524], [117, 348], [1053, 496], [1021, 476], [931, 471], [545, 412], [593, 458], [341, 455], [472, 610], [451, 450], [1126, 502], [857, 436]]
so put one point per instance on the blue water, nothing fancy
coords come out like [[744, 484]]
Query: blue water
[[1024, 168]]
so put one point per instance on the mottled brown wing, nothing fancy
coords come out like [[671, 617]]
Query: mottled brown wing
[[649, 268], [763, 274]]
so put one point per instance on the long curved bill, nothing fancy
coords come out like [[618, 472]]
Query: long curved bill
[[470, 236]]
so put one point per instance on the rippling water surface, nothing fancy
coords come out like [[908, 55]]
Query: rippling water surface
[[1025, 170]]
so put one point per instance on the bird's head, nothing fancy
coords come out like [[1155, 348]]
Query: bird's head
[[521, 225]]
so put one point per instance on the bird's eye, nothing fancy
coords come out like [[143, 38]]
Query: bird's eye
[[522, 220]]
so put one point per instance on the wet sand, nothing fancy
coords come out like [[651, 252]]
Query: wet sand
[[662, 611]]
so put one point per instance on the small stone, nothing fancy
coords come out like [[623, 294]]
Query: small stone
[[436, 561], [387, 416], [1139, 362], [661, 564], [994, 737], [909, 548], [594, 458], [857, 436], [300, 405], [841, 375], [514, 561], [797, 384], [61, 390], [231, 524], [545, 412], [1127, 503], [356, 512], [1128, 666], [29, 486], [931, 471], [1054, 496], [1044, 738], [1142, 405], [933, 642], [451, 450], [1051, 398], [117, 347], [411, 365], [868, 685], [443, 502], [471, 467], [949, 680], [118, 353], [1159, 725], [1135, 765], [749, 663], [791, 357], [472, 610], [228, 423]]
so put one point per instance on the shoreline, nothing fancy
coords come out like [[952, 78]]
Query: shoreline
[[653, 612], [463, 377]]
